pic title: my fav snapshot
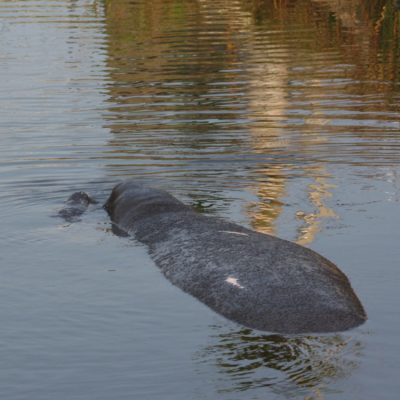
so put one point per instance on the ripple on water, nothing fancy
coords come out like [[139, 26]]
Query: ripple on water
[[286, 365]]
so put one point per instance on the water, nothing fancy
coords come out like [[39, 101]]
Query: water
[[281, 116]]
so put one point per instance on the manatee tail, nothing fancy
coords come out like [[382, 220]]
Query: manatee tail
[[75, 206]]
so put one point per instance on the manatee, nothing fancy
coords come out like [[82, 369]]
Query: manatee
[[75, 206], [257, 280]]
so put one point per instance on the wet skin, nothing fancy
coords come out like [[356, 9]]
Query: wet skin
[[254, 279]]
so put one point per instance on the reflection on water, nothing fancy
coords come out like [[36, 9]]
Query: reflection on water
[[318, 193], [256, 93], [291, 366]]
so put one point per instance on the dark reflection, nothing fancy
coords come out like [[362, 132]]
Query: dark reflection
[[286, 365]]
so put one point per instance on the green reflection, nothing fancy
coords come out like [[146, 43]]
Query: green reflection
[[361, 29]]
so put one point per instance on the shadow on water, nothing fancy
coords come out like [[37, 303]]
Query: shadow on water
[[289, 366]]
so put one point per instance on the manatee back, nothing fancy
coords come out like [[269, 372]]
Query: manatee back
[[257, 280]]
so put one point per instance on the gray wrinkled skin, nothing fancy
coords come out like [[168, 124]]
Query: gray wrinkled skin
[[75, 206], [254, 279]]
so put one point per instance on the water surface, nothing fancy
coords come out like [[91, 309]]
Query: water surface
[[281, 116]]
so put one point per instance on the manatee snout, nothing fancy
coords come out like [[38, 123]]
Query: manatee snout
[[80, 198], [75, 206]]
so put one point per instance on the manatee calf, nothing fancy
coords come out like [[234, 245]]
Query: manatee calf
[[257, 280], [75, 206]]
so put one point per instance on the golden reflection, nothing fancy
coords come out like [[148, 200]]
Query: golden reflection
[[270, 100], [264, 213], [318, 193], [197, 86]]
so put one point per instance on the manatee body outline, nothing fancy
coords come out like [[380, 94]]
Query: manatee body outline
[[254, 279]]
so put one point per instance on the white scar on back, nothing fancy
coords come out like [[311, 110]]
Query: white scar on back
[[233, 281], [235, 233]]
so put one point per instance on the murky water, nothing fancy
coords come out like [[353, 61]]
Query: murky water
[[282, 116]]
